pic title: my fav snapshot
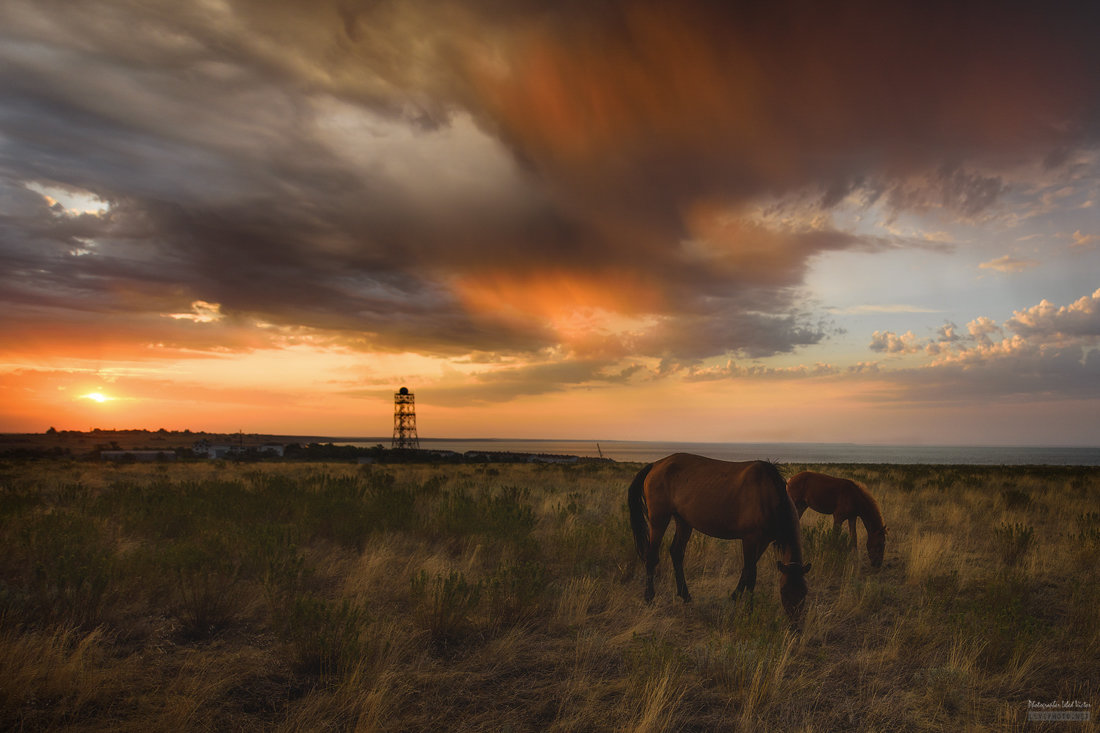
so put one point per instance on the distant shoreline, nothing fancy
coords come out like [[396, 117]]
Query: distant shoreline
[[85, 442]]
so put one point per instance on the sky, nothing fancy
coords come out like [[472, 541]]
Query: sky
[[701, 221]]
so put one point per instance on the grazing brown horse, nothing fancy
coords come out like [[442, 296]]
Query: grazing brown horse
[[845, 500], [746, 501]]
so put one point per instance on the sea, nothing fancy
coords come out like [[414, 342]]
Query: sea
[[647, 451]]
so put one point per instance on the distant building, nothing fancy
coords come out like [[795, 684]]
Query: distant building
[[210, 450]]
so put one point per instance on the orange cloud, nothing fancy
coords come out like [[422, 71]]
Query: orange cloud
[[772, 97], [580, 94], [573, 304], [1008, 263]]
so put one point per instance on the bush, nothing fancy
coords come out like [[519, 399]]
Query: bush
[[826, 544], [1088, 529], [67, 568], [1013, 541], [326, 637], [205, 572], [514, 592], [999, 618], [273, 558], [443, 605], [1016, 499], [504, 516]]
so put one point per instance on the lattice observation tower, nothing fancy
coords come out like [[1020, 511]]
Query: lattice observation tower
[[404, 419]]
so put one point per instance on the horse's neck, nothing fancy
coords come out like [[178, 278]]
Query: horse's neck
[[868, 511], [788, 531], [791, 550], [791, 554]]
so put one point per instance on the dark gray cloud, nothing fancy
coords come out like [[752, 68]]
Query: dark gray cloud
[[369, 171]]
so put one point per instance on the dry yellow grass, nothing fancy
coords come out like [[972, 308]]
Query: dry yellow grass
[[533, 619]]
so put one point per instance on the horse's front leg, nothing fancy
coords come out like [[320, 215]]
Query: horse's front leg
[[676, 551], [657, 528], [852, 532], [751, 551]]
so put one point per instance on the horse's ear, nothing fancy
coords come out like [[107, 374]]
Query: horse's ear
[[806, 568]]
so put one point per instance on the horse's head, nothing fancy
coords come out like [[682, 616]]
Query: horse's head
[[792, 590], [876, 546]]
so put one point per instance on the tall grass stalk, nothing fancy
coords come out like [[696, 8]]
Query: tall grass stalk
[[660, 698]]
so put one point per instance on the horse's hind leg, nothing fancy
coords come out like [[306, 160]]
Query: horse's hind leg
[[657, 526], [676, 551]]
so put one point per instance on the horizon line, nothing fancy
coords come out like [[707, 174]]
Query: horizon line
[[384, 439]]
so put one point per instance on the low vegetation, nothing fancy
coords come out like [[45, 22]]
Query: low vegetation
[[292, 597]]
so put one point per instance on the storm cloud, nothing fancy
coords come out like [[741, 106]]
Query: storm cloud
[[454, 178]]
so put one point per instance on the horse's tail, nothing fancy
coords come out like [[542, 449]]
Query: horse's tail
[[639, 514]]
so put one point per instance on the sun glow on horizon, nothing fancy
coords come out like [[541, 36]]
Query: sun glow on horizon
[[96, 397]]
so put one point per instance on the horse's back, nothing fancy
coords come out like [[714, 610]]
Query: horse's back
[[725, 499], [820, 491], [687, 472]]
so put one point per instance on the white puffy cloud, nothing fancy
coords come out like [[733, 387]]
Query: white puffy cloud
[[1048, 321], [983, 329], [1043, 351], [891, 343]]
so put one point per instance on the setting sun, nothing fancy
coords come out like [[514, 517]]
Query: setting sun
[[96, 397]]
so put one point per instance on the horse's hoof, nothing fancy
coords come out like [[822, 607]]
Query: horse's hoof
[[686, 598]]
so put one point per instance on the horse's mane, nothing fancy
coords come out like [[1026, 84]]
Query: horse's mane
[[788, 531], [871, 504]]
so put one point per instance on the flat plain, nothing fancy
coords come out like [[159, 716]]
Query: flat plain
[[331, 596]]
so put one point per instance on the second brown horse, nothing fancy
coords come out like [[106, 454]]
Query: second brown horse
[[746, 501], [845, 500]]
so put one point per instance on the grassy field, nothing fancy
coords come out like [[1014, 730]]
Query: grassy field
[[279, 596]]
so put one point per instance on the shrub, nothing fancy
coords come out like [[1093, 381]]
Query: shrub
[[14, 500], [514, 591], [205, 572], [1088, 529], [67, 569], [1016, 499], [326, 637], [504, 516], [998, 618], [827, 544], [347, 509], [274, 559], [1013, 541], [443, 604]]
